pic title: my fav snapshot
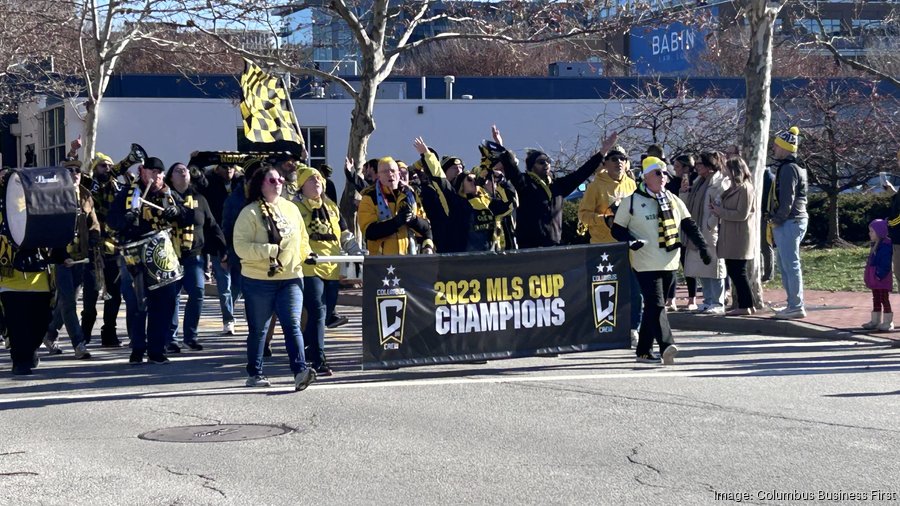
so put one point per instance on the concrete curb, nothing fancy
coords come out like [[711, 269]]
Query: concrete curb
[[768, 326]]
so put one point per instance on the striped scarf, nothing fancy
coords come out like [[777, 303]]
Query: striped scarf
[[183, 236], [668, 227], [274, 235], [385, 213], [321, 225]]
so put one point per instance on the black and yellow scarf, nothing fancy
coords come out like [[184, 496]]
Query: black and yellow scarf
[[183, 236], [543, 184], [274, 233], [668, 227], [322, 226]]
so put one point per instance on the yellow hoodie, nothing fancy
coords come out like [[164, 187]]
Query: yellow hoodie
[[251, 241], [596, 201]]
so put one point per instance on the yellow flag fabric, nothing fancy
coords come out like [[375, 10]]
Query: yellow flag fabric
[[266, 108]]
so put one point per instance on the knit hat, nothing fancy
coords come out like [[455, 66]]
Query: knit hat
[[532, 157], [304, 172], [652, 163], [447, 161], [154, 163], [100, 158], [880, 227], [788, 140]]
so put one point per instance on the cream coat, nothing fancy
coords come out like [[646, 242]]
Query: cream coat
[[737, 235], [698, 199]]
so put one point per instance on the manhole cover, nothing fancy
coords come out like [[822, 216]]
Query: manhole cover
[[215, 433]]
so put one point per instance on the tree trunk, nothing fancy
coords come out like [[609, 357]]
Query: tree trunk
[[758, 113], [362, 124], [91, 122], [834, 235]]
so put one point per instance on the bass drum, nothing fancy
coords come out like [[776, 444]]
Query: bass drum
[[39, 207]]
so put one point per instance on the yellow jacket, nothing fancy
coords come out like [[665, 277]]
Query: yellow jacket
[[251, 241], [320, 245], [396, 243], [596, 201]]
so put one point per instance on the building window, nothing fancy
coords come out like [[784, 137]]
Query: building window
[[54, 124], [315, 145]]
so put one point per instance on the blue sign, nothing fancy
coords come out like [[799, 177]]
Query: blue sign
[[672, 49]]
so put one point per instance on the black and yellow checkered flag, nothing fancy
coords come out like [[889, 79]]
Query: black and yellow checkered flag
[[266, 107]]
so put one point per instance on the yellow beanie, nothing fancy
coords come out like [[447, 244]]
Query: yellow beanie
[[304, 172], [789, 140], [651, 163], [100, 158]]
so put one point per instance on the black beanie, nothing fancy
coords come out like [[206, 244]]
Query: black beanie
[[532, 156]]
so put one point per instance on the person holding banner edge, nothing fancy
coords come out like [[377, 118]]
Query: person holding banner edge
[[650, 220]]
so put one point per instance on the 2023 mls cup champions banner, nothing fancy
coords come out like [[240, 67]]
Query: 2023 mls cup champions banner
[[432, 309]]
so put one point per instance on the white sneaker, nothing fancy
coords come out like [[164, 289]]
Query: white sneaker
[[701, 308], [228, 329], [668, 356], [635, 335], [81, 352], [257, 381], [790, 314], [52, 347], [6, 342], [714, 310]]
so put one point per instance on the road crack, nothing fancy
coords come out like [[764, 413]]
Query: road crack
[[20, 473], [11, 453], [207, 481], [633, 459], [188, 415]]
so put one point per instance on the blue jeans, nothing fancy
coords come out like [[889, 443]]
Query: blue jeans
[[68, 281], [192, 282], [637, 302], [332, 287], [713, 291], [148, 312], [315, 293], [788, 236], [284, 298], [228, 284]]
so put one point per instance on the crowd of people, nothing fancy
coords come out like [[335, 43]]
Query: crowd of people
[[260, 228]]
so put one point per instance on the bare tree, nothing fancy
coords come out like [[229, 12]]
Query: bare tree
[[674, 116], [849, 134], [383, 31]]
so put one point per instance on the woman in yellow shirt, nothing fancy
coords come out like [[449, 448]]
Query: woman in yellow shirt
[[272, 243]]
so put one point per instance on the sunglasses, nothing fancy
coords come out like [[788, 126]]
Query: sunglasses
[[617, 158], [74, 171], [104, 165], [542, 161], [656, 173], [275, 180]]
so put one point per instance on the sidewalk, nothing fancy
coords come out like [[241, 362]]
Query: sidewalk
[[829, 315]]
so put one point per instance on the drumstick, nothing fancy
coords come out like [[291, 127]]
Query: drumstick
[[82, 261], [151, 204]]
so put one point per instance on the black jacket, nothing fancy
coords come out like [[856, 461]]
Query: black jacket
[[216, 191], [539, 217], [130, 231], [208, 237]]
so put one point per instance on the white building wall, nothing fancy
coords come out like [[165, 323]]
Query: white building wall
[[172, 128]]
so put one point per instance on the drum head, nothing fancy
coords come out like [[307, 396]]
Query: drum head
[[16, 218]]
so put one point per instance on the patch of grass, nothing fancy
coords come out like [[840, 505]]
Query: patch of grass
[[839, 270]]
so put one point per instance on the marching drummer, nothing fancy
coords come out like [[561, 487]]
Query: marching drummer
[[70, 274], [145, 207]]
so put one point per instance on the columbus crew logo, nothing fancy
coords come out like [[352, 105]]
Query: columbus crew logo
[[391, 310], [604, 292]]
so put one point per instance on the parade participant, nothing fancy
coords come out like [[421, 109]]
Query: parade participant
[[541, 196], [611, 184], [105, 180], [706, 192], [737, 231], [894, 222], [273, 244], [651, 219], [789, 218], [497, 187], [439, 203], [220, 183], [70, 273], [25, 292], [198, 234], [390, 217], [132, 216], [287, 164], [328, 236]]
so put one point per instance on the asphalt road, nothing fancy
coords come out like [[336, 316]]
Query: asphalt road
[[775, 420]]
